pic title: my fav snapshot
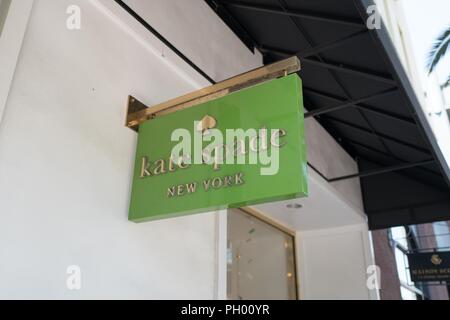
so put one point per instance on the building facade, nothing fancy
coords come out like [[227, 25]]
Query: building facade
[[391, 246], [66, 163]]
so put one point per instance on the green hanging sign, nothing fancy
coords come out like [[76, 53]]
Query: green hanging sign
[[245, 148]]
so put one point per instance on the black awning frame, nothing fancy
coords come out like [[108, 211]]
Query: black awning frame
[[431, 163], [387, 48]]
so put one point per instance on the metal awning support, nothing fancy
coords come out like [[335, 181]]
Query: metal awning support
[[346, 104], [352, 70], [375, 150], [315, 50], [296, 13], [378, 111], [382, 170], [330, 45], [384, 136], [335, 66], [332, 67]]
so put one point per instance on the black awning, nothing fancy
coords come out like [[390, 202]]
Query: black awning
[[356, 87]]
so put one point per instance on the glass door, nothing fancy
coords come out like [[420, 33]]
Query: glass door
[[261, 259]]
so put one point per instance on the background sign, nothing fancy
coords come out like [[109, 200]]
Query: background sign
[[168, 190], [432, 266]]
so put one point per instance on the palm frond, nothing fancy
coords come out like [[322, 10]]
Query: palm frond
[[446, 83], [438, 50]]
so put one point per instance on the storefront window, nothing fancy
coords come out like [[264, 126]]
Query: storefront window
[[442, 234], [400, 239], [260, 259]]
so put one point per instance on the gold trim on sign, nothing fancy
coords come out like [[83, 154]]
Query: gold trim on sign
[[138, 113]]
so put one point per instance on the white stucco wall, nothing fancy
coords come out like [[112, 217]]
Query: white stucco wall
[[66, 158], [66, 161], [328, 157], [205, 31], [333, 264]]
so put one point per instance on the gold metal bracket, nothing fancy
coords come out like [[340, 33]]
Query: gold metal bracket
[[137, 112]]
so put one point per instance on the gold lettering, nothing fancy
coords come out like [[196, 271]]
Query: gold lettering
[[206, 184], [171, 165], [238, 178], [191, 187], [171, 192], [257, 143], [228, 181], [180, 190], [218, 156], [160, 167], [217, 183], [145, 165], [253, 144], [206, 157], [240, 148], [263, 139], [275, 138], [182, 162]]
